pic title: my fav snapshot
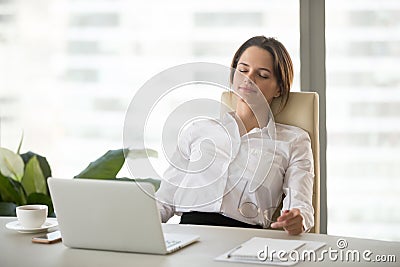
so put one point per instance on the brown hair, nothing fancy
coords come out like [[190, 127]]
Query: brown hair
[[282, 63]]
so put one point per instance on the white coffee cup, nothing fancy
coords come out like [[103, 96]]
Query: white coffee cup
[[32, 216]]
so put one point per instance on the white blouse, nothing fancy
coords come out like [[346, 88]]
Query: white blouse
[[242, 177]]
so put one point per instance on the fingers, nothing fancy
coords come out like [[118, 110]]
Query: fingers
[[296, 231], [288, 214], [288, 224], [291, 221]]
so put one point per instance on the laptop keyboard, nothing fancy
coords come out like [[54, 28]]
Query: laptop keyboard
[[170, 243]]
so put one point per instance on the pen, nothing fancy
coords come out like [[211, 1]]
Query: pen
[[233, 250]]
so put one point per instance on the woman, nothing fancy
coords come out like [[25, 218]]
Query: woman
[[234, 172]]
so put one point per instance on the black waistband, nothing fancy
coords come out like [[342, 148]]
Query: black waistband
[[211, 218]]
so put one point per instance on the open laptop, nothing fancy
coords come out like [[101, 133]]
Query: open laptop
[[112, 215]]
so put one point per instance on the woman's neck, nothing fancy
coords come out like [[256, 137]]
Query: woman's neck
[[247, 120]]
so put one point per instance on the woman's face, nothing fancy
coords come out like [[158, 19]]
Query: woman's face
[[256, 65]]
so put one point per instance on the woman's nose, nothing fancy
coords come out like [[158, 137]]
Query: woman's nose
[[249, 78]]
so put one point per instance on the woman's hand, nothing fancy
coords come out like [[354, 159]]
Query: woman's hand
[[291, 221]]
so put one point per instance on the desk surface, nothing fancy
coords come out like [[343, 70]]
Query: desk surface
[[16, 249]]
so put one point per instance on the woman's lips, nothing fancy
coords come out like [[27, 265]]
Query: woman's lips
[[247, 90]]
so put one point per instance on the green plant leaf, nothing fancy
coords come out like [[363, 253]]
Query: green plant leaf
[[11, 164], [34, 180], [44, 165], [11, 191], [105, 167], [39, 198], [155, 182], [20, 143], [108, 165], [7, 209], [141, 153], [7, 190]]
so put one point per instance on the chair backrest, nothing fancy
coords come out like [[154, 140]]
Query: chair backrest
[[301, 110]]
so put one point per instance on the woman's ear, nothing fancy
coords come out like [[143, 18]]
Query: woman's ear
[[278, 92]]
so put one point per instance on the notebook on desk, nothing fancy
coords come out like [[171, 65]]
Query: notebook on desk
[[112, 215]]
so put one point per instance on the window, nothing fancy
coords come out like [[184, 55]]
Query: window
[[363, 94], [94, 20], [230, 19], [83, 47], [5, 18], [74, 68], [82, 75], [369, 18]]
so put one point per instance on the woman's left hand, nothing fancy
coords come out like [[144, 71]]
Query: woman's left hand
[[291, 221]]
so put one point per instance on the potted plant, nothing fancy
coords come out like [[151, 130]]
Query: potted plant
[[23, 176]]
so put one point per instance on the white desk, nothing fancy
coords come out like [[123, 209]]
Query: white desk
[[16, 249]]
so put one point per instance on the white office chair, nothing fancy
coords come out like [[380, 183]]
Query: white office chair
[[302, 110]]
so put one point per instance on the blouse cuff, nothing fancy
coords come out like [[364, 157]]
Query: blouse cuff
[[308, 223]]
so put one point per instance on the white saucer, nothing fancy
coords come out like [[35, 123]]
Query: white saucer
[[49, 223]]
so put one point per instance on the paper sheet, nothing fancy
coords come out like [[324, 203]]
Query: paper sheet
[[248, 252]]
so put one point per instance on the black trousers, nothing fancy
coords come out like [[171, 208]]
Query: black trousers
[[211, 218]]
